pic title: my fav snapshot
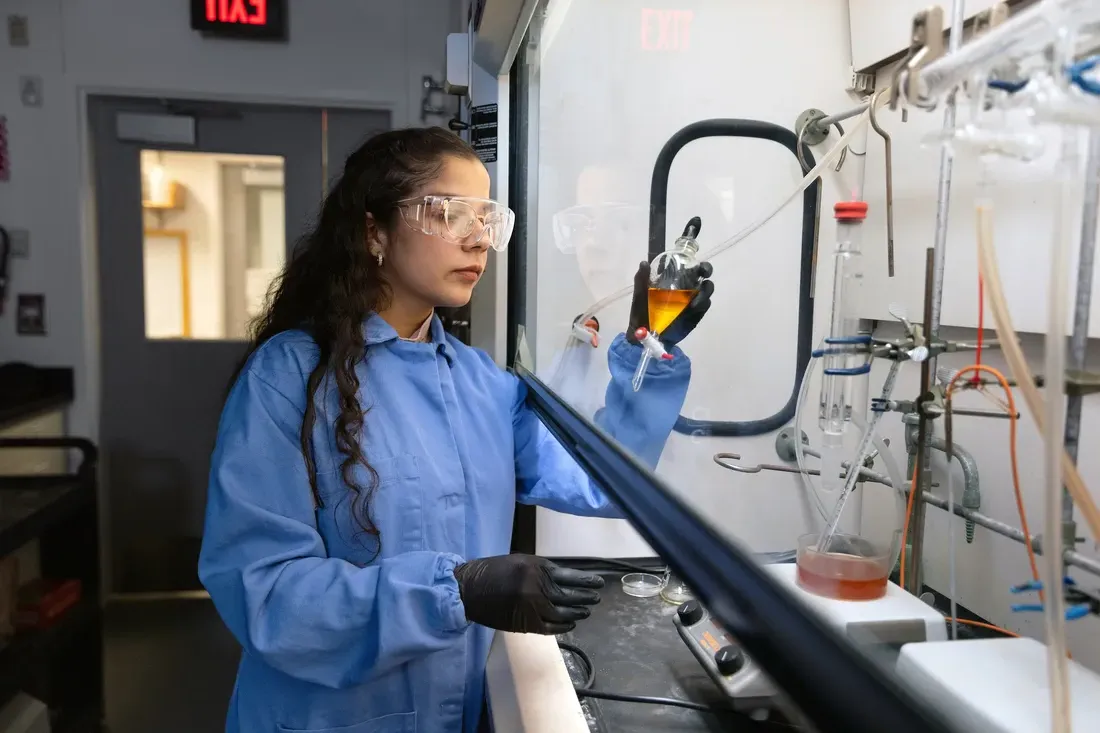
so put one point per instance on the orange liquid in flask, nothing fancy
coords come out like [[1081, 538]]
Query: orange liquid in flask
[[841, 576], [665, 305]]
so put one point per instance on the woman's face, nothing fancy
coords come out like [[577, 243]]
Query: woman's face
[[427, 269]]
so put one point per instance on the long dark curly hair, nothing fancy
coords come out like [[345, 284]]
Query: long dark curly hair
[[332, 284]]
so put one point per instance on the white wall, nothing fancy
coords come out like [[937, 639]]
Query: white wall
[[607, 107], [367, 53]]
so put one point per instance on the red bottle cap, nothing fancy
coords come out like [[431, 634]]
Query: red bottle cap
[[850, 210]]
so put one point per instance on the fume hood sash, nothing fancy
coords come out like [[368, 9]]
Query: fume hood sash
[[835, 684]]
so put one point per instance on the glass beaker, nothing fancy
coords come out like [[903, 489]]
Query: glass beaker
[[675, 592], [674, 278], [850, 568]]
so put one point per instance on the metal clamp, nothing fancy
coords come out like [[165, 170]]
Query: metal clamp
[[1079, 603], [1081, 383], [925, 45], [984, 22], [990, 18]]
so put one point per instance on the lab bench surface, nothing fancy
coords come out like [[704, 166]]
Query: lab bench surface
[[635, 650]]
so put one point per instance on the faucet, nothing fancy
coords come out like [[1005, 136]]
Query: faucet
[[972, 495]]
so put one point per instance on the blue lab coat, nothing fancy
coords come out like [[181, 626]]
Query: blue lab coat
[[337, 639]]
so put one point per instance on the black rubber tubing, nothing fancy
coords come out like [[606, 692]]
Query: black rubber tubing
[[658, 203]]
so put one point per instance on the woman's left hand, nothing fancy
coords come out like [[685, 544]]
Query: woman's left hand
[[684, 323]]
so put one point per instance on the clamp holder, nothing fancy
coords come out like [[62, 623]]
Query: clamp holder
[[925, 45], [1080, 383], [1079, 602]]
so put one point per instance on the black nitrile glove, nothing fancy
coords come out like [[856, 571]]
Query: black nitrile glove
[[527, 594], [688, 319]]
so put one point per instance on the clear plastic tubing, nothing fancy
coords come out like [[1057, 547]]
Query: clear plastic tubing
[[846, 356], [1026, 33], [1055, 419], [822, 165]]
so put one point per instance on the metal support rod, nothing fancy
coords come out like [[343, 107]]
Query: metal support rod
[[1007, 530], [1078, 344], [943, 197], [914, 579], [827, 122], [933, 298], [967, 412]]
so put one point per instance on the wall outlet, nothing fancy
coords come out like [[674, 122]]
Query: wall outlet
[[30, 91], [20, 243], [30, 314], [19, 31]]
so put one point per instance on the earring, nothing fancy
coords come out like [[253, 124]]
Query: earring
[[379, 259]]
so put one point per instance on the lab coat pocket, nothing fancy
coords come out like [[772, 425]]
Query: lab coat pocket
[[395, 508], [398, 507], [396, 723]]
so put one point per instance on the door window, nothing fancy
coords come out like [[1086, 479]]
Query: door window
[[215, 240]]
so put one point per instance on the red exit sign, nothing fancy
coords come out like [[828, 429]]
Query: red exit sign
[[245, 19], [666, 30]]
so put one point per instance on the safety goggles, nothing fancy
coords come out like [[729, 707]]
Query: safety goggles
[[460, 219], [603, 224]]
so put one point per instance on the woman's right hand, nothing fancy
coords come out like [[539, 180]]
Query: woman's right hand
[[684, 323], [526, 594]]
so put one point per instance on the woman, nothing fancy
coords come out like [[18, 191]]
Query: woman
[[367, 464]]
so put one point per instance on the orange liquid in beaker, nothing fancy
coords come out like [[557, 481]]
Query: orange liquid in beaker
[[665, 305], [841, 576]]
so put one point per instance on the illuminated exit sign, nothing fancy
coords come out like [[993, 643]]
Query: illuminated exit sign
[[666, 30], [245, 19]]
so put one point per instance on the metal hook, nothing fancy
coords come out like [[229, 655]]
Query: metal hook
[[889, 182], [720, 459], [798, 148]]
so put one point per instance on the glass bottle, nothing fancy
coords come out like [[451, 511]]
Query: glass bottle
[[674, 279]]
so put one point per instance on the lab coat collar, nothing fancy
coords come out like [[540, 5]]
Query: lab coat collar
[[377, 331]]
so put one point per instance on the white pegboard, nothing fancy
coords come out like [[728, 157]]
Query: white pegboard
[[1024, 208], [880, 28]]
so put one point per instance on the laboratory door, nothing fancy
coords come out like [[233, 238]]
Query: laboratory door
[[198, 206]]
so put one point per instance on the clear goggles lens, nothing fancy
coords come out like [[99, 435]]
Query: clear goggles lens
[[461, 219], [579, 226]]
